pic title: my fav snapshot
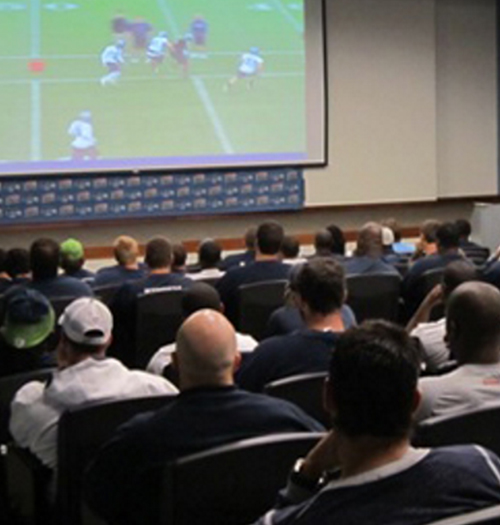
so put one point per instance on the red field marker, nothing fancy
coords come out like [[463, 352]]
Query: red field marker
[[36, 66]]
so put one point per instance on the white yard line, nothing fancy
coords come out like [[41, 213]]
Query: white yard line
[[276, 52], [213, 115], [36, 120], [290, 18], [36, 88], [169, 17], [92, 80]]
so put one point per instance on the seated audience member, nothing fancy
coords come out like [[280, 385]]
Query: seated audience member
[[473, 335], [427, 241], [179, 258], [389, 255], [44, 261], [73, 260], [290, 250], [432, 333], [209, 258], [399, 247], [126, 251], [17, 265], [27, 338], [200, 296], [84, 375], [122, 484], [447, 252], [491, 270], [242, 259], [464, 232], [267, 267], [367, 258], [338, 240], [323, 242], [365, 470], [319, 290], [5, 280]]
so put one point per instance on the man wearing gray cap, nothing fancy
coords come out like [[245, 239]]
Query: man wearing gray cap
[[84, 375]]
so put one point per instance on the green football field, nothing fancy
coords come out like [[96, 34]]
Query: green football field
[[148, 115]]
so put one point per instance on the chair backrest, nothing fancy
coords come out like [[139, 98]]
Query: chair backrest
[[374, 296], [8, 387], [487, 516], [80, 434], [305, 391], [477, 254], [256, 303], [159, 316], [107, 292], [233, 484], [480, 427], [59, 304]]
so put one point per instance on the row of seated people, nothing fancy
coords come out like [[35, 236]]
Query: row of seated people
[[373, 395]]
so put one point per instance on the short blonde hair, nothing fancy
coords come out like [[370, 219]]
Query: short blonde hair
[[126, 249]]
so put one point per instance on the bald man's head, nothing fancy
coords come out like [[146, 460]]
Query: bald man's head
[[473, 323], [206, 353]]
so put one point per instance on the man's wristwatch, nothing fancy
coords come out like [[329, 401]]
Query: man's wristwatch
[[298, 478]]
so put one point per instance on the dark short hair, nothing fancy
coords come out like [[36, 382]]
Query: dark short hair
[[209, 254], [464, 228], [250, 238], [198, 297], [323, 241], [17, 262], [269, 237], [44, 258], [447, 236], [338, 239], [429, 229], [457, 273], [320, 283], [158, 253], [179, 255], [373, 374], [290, 247]]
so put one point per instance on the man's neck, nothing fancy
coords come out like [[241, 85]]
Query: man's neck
[[159, 271], [262, 257], [362, 454], [131, 266], [332, 322]]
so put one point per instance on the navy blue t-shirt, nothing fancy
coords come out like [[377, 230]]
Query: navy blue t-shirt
[[301, 352], [62, 286], [116, 275]]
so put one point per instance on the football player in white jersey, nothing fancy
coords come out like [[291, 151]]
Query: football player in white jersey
[[112, 58], [157, 50], [250, 66], [84, 141]]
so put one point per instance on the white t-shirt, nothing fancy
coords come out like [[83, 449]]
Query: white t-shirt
[[209, 273], [36, 408], [83, 134], [469, 387], [162, 358], [157, 47], [431, 336], [112, 55], [250, 63]]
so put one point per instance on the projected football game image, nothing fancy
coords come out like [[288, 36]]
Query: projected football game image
[[128, 85]]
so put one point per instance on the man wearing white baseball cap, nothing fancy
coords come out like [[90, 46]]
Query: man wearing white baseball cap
[[84, 375]]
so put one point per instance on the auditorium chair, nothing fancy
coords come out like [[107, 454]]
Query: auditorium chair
[[421, 287], [477, 254], [305, 391], [159, 316], [487, 516], [374, 296], [107, 292], [81, 432], [8, 387], [478, 426], [233, 484], [256, 303], [59, 304]]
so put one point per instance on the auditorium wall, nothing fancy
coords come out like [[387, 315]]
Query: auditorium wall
[[413, 118]]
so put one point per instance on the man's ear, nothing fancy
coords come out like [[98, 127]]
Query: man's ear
[[417, 399], [237, 361]]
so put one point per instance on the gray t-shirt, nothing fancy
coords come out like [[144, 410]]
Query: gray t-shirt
[[469, 387]]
